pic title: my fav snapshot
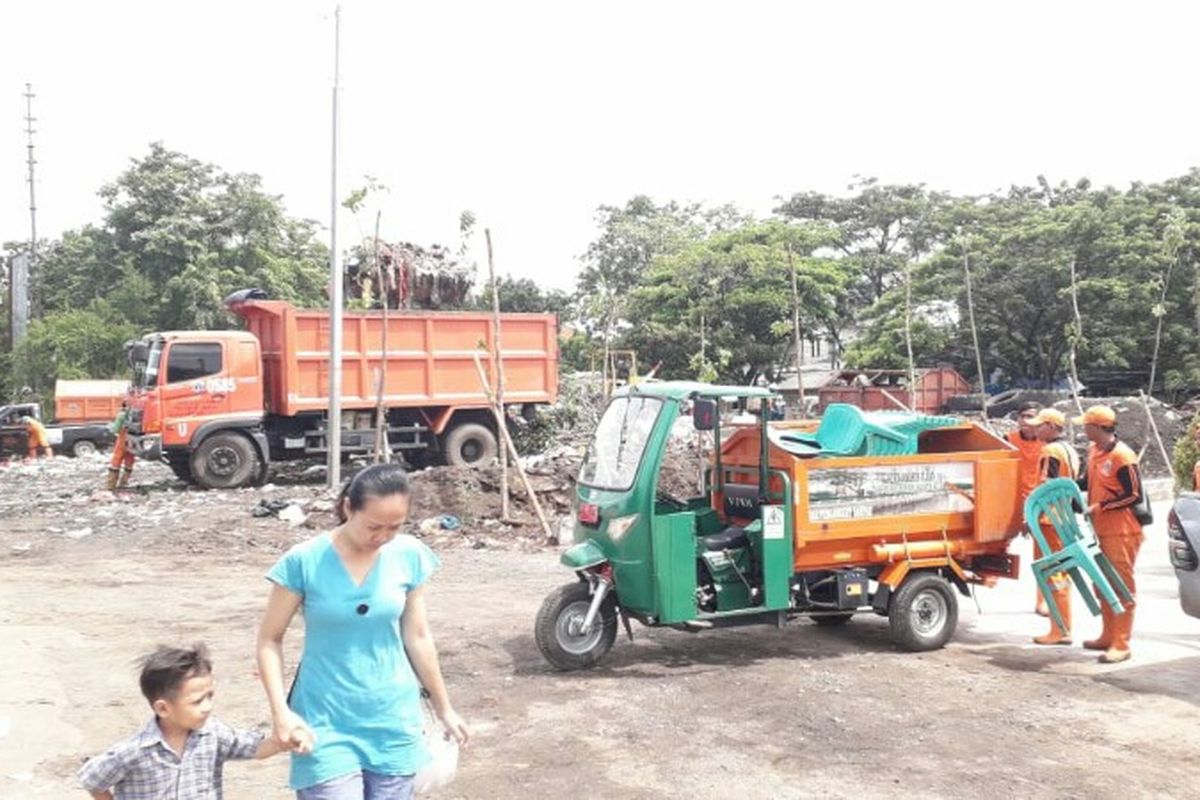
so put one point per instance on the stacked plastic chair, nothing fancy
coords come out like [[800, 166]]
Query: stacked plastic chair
[[846, 431], [1057, 502]]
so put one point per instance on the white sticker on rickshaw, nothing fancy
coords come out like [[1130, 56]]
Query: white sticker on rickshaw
[[773, 522]]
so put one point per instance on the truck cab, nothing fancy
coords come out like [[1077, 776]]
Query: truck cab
[[190, 387]]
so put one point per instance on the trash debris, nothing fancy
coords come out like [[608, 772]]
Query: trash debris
[[78, 533], [293, 515], [5, 727], [268, 508], [449, 522]]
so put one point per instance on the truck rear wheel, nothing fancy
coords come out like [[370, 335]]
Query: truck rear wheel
[[923, 613], [557, 628], [470, 445], [181, 465], [225, 460], [83, 448]]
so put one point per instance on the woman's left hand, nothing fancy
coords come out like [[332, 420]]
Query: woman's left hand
[[455, 726]]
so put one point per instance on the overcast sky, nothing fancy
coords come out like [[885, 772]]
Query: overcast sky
[[532, 114]]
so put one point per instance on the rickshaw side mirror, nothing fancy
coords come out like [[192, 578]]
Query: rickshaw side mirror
[[704, 414]]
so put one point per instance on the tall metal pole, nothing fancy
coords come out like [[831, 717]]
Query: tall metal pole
[[334, 423], [29, 120]]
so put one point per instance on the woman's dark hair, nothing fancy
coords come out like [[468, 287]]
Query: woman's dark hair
[[1028, 405], [377, 480]]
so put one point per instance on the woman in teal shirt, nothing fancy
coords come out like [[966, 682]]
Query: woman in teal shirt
[[354, 711]]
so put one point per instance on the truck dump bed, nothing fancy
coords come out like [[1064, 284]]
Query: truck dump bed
[[88, 401], [953, 493], [430, 357]]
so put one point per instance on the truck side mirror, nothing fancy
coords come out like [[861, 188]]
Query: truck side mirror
[[704, 414], [136, 353]]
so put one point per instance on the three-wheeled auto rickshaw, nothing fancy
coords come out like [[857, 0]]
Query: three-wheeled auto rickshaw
[[885, 512]]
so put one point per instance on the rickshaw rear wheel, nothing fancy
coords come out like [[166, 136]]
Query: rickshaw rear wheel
[[923, 613], [557, 628]]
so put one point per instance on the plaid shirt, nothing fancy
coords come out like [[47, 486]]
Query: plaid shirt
[[144, 767]]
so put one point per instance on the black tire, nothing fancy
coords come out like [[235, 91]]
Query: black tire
[[832, 620], [225, 460], [181, 466], [470, 445], [552, 630], [923, 613], [84, 447]]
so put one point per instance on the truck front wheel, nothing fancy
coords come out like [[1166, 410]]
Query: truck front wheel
[[225, 460], [923, 613], [470, 445]]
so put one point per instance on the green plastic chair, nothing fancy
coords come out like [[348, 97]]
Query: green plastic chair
[[1079, 557], [846, 430]]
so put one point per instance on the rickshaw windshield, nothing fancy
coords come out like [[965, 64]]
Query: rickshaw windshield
[[616, 451]]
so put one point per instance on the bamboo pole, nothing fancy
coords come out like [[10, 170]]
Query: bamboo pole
[[498, 350], [796, 338], [1154, 427], [383, 449], [974, 330], [1074, 339], [512, 449]]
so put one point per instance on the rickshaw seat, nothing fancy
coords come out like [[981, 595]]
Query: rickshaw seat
[[732, 538]]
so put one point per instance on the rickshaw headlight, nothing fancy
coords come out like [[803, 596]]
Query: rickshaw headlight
[[617, 528]]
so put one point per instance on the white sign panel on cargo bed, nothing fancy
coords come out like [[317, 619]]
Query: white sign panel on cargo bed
[[901, 489]]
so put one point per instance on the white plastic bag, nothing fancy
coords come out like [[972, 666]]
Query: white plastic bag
[[443, 755]]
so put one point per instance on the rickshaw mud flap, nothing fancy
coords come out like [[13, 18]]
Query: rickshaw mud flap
[[895, 574]]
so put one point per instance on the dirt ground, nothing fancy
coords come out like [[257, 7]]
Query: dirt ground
[[751, 713]]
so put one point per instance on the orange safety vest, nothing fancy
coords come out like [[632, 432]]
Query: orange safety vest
[[1028, 473], [1114, 518], [1064, 454], [37, 435]]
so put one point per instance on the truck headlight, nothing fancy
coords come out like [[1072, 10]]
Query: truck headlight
[[617, 528]]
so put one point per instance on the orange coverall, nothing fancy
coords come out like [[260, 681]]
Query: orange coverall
[[1113, 482], [37, 438], [1028, 476], [1058, 461]]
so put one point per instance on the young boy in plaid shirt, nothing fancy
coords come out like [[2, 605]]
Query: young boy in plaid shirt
[[180, 753]]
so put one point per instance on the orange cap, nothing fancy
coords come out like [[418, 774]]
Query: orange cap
[[1051, 415], [1098, 415]]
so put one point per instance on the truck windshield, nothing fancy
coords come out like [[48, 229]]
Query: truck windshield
[[149, 371], [616, 451]]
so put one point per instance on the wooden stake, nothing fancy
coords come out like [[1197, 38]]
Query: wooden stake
[[498, 351], [512, 449]]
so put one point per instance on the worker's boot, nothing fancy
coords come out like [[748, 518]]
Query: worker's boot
[[1106, 633], [1118, 649], [112, 479], [1062, 601], [123, 482]]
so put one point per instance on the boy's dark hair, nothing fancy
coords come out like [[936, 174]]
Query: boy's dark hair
[[165, 670], [377, 480], [1028, 405]]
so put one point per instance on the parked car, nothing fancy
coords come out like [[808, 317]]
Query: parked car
[[1183, 539]]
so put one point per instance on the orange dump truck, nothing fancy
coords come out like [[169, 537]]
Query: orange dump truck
[[220, 406]]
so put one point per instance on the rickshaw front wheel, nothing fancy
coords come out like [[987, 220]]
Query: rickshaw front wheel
[[559, 633]]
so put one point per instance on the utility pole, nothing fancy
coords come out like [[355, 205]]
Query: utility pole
[[333, 433], [29, 120]]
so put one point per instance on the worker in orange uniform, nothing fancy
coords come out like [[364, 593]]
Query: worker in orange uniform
[[1114, 488], [120, 466], [1058, 460], [1029, 447], [36, 439]]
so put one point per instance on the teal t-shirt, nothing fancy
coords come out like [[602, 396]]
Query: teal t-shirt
[[355, 687]]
